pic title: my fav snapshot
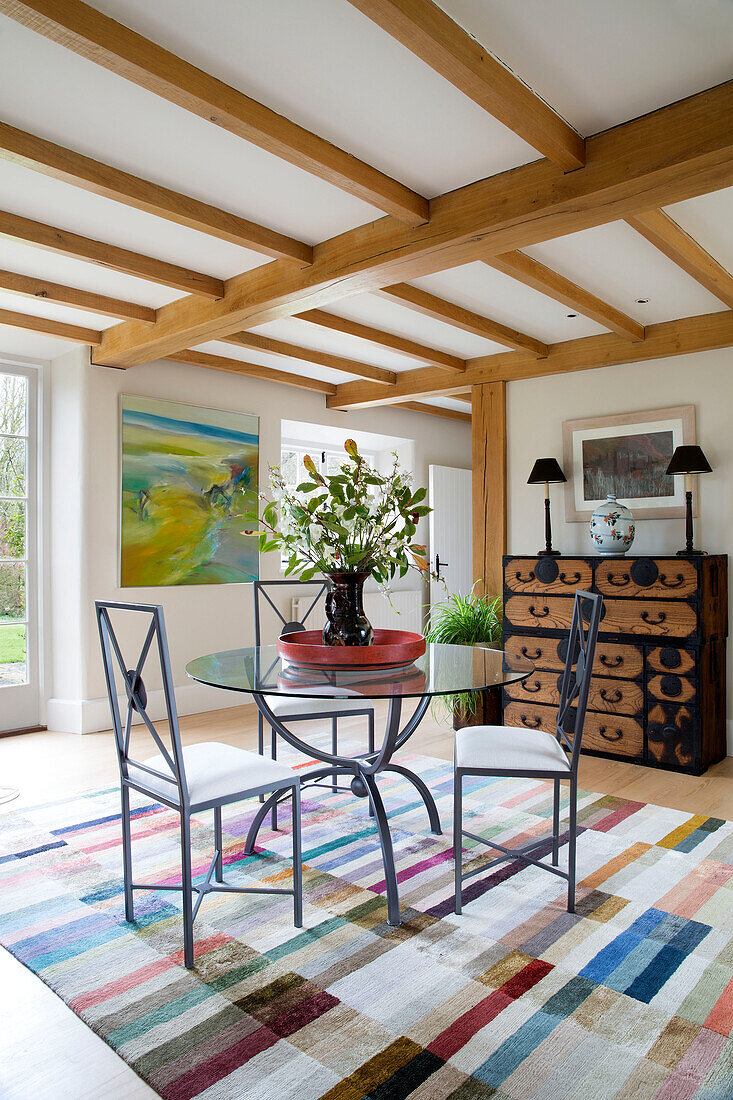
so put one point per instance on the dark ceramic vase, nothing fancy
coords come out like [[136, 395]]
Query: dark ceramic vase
[[346, 623]]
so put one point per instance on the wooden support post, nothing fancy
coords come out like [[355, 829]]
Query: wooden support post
[[489, 484]]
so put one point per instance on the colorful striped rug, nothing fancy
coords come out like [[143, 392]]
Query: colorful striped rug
[[632, 997]]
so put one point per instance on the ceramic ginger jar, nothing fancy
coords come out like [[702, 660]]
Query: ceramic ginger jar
[[612, 527]]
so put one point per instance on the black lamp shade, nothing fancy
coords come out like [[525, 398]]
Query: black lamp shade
[[547, 469], [689, 460]]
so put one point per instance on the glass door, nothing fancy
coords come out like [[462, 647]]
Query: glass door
[[19, 694]]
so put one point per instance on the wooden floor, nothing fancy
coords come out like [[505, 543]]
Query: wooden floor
[[47, 1053]]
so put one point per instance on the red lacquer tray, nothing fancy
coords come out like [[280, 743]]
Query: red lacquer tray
[[390, 649]]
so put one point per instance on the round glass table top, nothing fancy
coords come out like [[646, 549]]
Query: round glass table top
[[442, 670]]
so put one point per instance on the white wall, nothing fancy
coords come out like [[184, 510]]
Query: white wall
[[537, 407], [85, 517]]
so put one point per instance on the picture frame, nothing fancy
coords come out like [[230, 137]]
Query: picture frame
[[626, 455]]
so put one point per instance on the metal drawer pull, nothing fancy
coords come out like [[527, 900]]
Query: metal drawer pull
[[618, 696], [530, 725], [572, 580], [610, 664], [665, 583], [539, 614], [617, 737], [531, 657], [529, 577], [532, 690], [653, 622], [618, 584]]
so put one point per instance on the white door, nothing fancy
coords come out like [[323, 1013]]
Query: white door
[[451, 531], [19, 671]]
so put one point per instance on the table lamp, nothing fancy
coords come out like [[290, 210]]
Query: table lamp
[[547, 470], [689, 460]]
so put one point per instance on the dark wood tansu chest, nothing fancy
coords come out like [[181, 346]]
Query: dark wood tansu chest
[[658, 693]]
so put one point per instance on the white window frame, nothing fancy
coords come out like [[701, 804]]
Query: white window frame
[[22, 704]]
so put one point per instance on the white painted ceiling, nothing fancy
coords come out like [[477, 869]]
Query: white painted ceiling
[[327, 67]]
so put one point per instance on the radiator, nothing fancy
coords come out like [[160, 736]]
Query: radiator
[[406, 613]]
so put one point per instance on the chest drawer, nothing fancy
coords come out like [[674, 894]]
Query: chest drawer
[[672, 734], [539, 612], [672, 659], [612, 658], [655, 618], [668, 578], [615, 734], [604, 694], [547, 575], [674, 689]]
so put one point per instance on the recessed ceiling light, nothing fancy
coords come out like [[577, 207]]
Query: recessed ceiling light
[[572, 314], [642, 301]]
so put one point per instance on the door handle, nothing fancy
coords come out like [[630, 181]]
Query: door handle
[[438, 564]]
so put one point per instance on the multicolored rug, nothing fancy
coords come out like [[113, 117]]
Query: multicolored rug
[[630, 998]]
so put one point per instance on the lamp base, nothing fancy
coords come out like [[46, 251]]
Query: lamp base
[[549, 553], [691, 553]]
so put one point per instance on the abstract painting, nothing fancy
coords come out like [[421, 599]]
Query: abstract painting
[[626, 456], [189, 475]]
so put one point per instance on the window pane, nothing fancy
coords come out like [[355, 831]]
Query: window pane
[[334, 463], [13, 404], [12, 529], [13, 669], [12, 467], [12, 592], [289, 467]]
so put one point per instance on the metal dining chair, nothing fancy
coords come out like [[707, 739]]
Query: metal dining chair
[[190, 780], [299, 710], [534, 754]]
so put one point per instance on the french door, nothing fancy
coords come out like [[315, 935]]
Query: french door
[[451, 548], [19, 603]]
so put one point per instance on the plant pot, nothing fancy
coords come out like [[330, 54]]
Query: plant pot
[[346, 623], [487, 712]]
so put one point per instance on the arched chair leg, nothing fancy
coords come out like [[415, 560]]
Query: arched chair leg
[[187, 891], [424, 793], [556, 822], [218, 845], [385, 840], [458, 840], [260, 741], [127, 854], [273, 754]]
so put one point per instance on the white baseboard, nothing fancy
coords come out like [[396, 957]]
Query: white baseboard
[[93, 715]]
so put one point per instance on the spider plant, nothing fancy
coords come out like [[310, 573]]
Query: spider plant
[[465, 620]]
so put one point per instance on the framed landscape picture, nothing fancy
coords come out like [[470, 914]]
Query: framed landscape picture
[[188, 475], [626, 456]]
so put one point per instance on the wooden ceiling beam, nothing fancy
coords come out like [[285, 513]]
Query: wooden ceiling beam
[[428, 32], [59, 329], [251, 370], [532, 273], [418, 353], [671, 154], [29, 151], [32, 287], [666, 235], [434, 410], [286, 350], [109, 255], [98, 38], [690, 334], [451, 314]]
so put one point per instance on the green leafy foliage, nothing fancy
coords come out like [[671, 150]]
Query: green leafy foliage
[[355, 520], [466, 620]]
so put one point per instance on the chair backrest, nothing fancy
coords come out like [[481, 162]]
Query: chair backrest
[[312, 590], [119, 669], [575, 681]]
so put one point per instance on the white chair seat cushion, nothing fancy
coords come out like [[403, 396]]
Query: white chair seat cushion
[[213, 771], [509, 748], [283, 706]]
